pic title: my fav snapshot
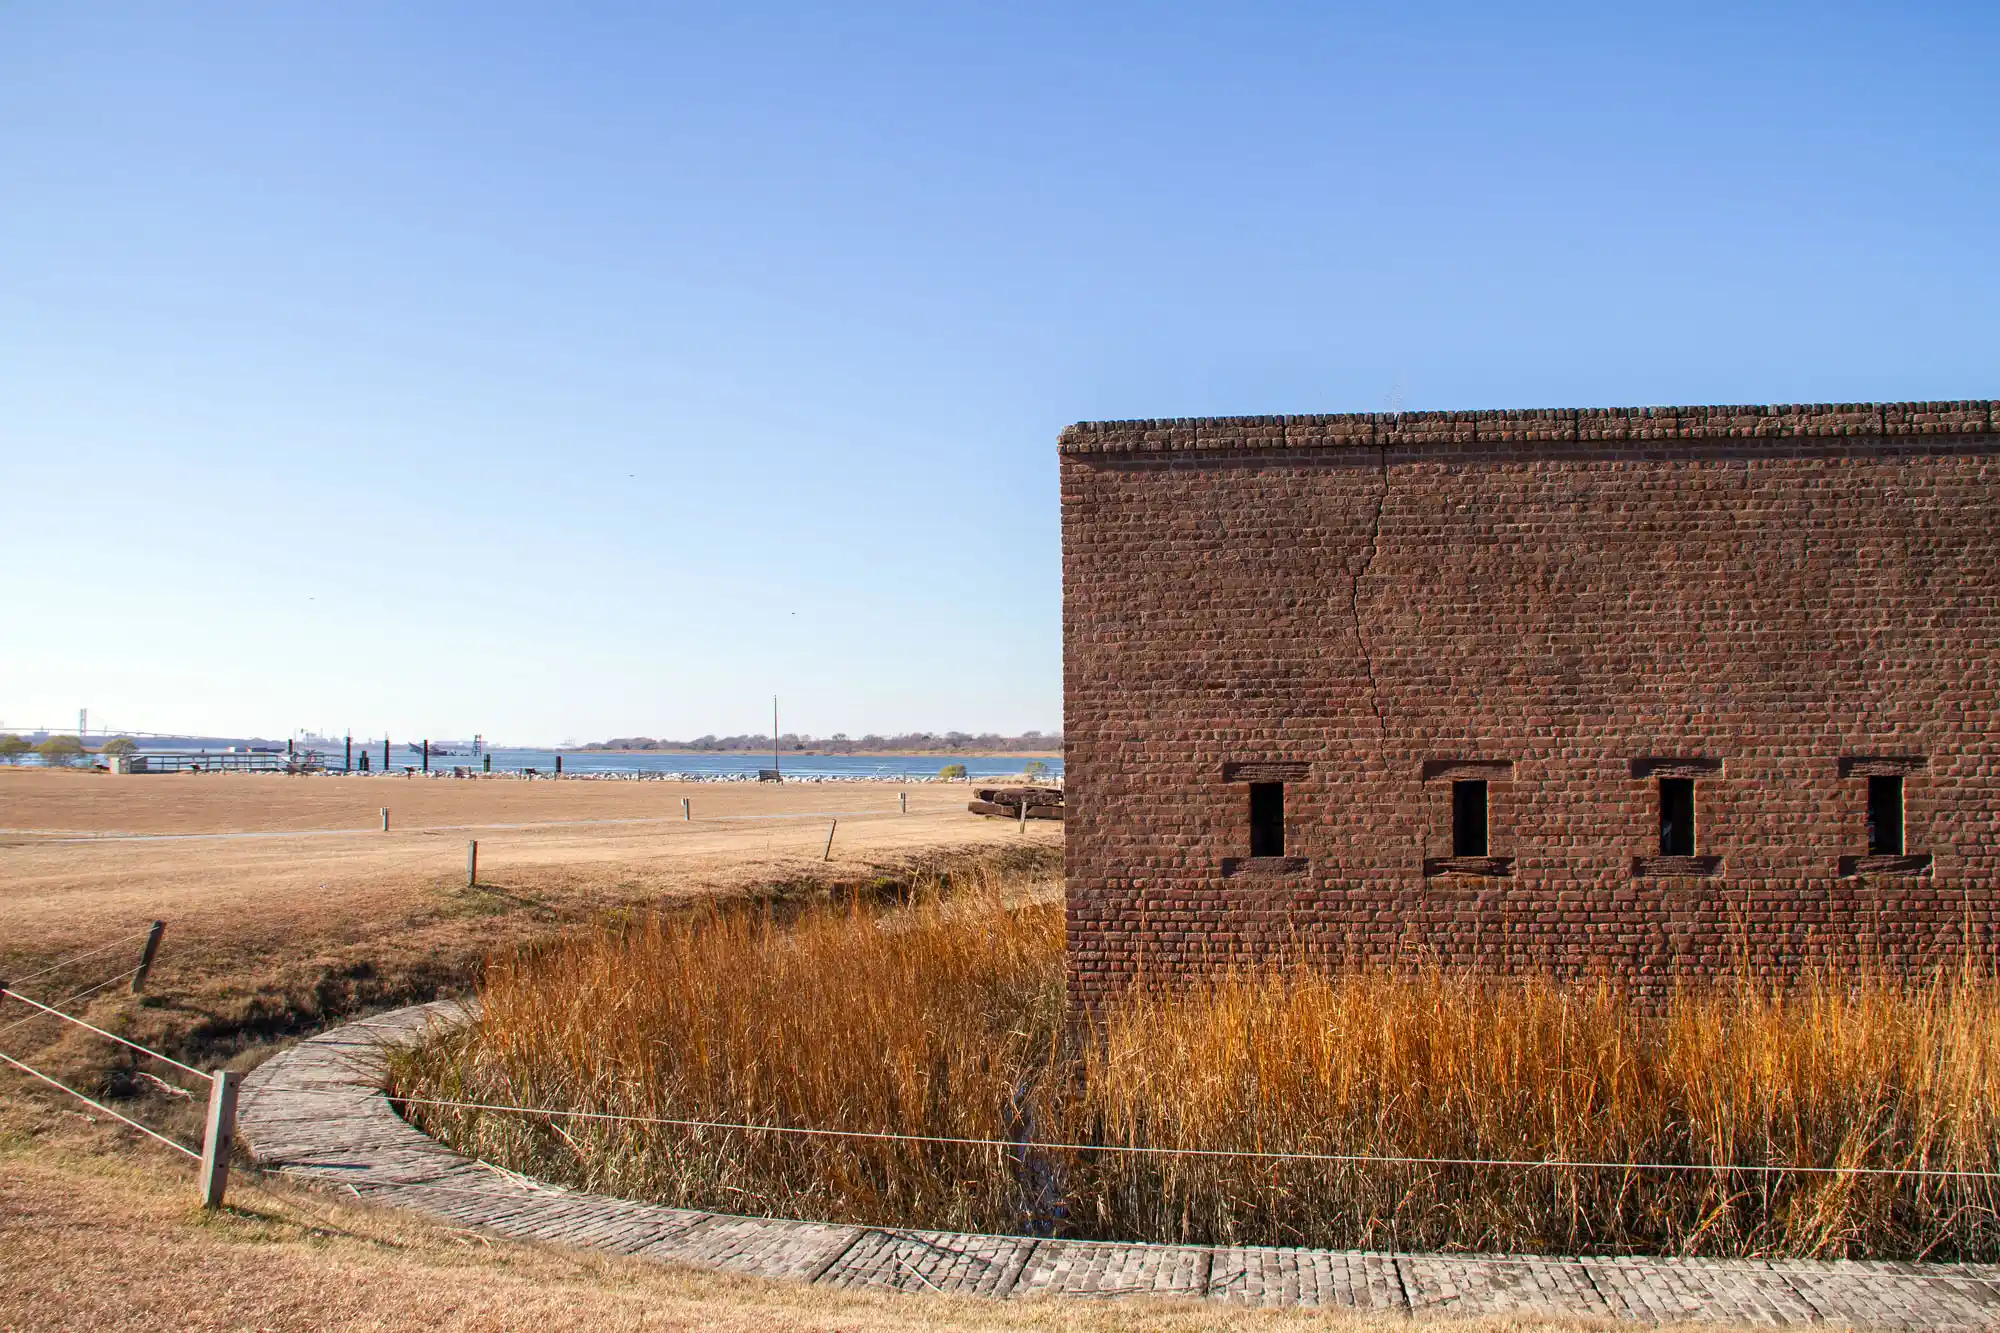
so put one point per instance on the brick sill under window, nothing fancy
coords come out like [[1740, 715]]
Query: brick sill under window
[[1485, 867], [1662, 867], [1233, 866], [1885, 865]]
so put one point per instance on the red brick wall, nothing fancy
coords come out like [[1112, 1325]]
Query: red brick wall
[[1768, 590]]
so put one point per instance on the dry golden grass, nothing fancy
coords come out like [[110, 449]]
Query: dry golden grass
[[948, 1020]]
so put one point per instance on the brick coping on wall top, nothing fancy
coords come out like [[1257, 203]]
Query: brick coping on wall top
[[1529, 425]]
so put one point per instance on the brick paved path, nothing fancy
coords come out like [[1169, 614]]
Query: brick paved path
[[316, 1112]]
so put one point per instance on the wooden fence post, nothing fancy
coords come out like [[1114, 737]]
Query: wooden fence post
[[472, 864], [687, 810], [385, 819], [146, 958], [903, 799], [1024, 809], [220, 1136], [828, 856]]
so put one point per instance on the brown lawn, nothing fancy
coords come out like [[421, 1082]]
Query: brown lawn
[[271, 936]]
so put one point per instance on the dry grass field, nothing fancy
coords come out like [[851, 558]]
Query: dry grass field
[[269, 936], [86, 853], [286, 905], [946, 1017]]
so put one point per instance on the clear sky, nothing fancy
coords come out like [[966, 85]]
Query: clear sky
[[581, 370]]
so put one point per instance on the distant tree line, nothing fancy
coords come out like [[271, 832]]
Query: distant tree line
[[59, 751], [842, 743]]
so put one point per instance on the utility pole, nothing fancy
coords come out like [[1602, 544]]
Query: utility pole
[[776, 767]]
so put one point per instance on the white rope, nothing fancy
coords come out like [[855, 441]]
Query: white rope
[[70, 999], [53, 967], [30, 1069], [1556, 1164], [71, 1018]]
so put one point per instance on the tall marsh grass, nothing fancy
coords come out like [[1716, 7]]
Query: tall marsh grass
[[946, 1018]]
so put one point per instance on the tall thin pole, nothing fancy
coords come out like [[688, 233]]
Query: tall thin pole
[[775, 767]]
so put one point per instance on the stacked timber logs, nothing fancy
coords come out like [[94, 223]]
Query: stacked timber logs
[[1006, 802]]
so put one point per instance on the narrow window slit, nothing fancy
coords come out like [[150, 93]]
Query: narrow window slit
[[1885, 816], [1676, 816], [1468, 817], [1267, 819]]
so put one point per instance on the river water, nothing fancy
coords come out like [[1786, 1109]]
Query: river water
[[889, 767]]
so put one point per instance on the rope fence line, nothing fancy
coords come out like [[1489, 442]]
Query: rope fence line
[[111, 1036], [1548, 1164], [77, 958], [33, 1072], [219, 1129], [67, 999]]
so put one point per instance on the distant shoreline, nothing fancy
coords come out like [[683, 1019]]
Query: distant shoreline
[[843, 754]]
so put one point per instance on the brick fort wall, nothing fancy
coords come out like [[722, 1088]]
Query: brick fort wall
[[1777, 602]]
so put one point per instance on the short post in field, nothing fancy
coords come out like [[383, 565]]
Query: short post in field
[[828, 854], [1024, 810], [385, 819], [146, 958], [427, 754], [903, 799], [472, 863], [220, 1136], [687, 810]]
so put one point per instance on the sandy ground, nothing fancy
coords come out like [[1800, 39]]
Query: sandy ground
[[288, 908], [66, 886]]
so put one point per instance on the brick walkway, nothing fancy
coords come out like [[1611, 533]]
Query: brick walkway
[[316, 1113]]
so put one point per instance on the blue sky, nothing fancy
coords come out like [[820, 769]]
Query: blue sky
[[571, 371]]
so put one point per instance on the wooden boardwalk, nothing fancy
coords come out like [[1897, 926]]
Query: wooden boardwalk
[[317, 1113]]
